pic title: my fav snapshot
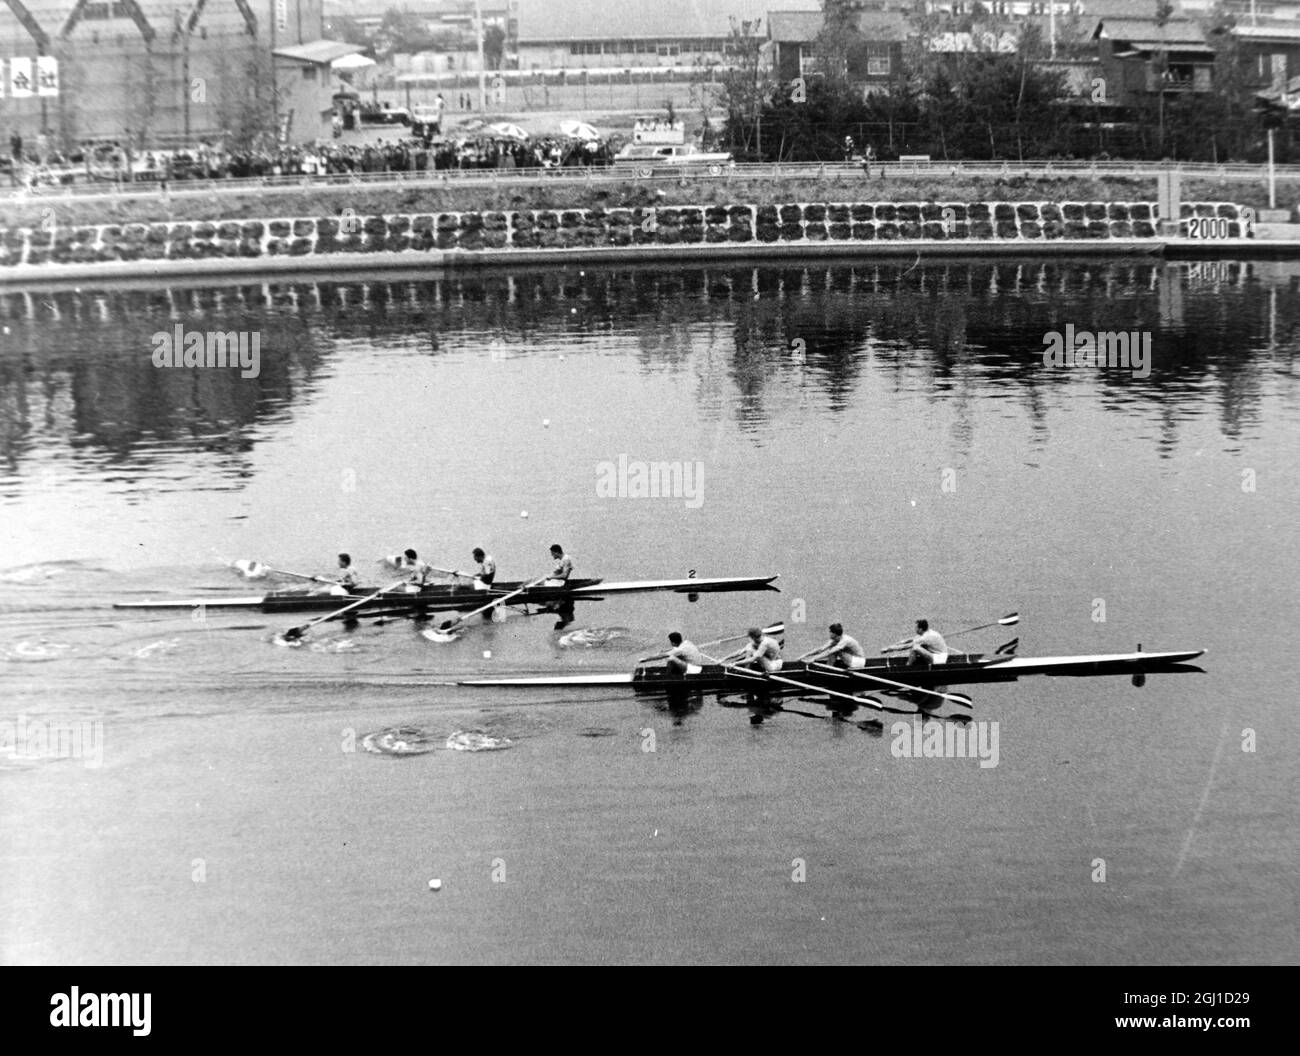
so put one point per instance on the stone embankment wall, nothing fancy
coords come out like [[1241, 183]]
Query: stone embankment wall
[[862, 223]]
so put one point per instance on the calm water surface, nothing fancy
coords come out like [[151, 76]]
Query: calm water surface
[[885, 437]]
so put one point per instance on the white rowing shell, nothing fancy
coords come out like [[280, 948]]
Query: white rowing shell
[[1031, 664], [615, 679]]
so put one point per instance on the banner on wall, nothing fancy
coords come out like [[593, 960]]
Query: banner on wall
[[47, 75], [20, 78]]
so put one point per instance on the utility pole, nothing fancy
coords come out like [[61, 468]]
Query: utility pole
[[1051, 12], [482, 72], [275, 95], [185, 80], [1272, 176], [1272, 133]]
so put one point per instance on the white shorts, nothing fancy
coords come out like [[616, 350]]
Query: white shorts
[[770, 665], [555, 583], [854, 663]]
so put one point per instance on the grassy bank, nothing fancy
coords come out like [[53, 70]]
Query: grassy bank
[[320, 201]]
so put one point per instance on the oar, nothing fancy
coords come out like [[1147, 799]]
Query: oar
[[776, 628], [1009, 620], [446, 633], [294, 633], [811, 652], [295, 575], [256, 570], [250, 569], [952, 698], [452, 572], [768, 675], [739, 652]]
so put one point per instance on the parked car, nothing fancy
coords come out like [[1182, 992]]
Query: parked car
[[385, 114], [425, 120], [647, 159]]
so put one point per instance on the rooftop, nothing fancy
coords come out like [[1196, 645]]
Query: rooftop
[[318, 51], [1145, 34], [799, 27], [574, 20]]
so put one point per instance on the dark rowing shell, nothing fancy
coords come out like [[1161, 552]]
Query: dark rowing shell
[[439, 597]]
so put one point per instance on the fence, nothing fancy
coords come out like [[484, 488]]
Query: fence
[[542, 177]]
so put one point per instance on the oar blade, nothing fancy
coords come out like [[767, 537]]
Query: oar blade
[[444, 634], [1010, 620]]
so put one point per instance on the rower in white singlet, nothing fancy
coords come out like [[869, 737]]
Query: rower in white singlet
[[419, 571], [684, 658], [487, 567]]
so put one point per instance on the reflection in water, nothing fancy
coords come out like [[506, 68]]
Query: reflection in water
[[76, 375]]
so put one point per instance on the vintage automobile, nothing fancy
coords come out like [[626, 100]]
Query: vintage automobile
[[426, 120], [384, 114], [648, 159]]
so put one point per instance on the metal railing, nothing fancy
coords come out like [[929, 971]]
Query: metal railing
[[571, 174]]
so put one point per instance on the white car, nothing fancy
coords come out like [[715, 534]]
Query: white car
[[647, 159]]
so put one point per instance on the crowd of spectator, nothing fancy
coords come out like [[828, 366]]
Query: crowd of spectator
[[475, 150]]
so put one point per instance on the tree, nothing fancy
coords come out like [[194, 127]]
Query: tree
[[1225, 124], [745, 84], [977, 98], [404, 31], [144, 86], [245, 102], [1164, 9], [838, 40], [348, 30], [494, 46]]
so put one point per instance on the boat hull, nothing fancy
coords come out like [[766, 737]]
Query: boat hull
[[962, 669], [450, 597]]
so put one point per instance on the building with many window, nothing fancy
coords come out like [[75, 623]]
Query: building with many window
[[876, 61], [577, 34], [1140, 57], [159, 72]]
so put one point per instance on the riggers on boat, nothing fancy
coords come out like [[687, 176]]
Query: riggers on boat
[[449, 597]]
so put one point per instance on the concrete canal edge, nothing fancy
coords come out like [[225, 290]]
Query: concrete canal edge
[[352, 265], [452, 242]]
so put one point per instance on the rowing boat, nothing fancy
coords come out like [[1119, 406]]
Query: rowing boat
[[961, 669], [448, 597]]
